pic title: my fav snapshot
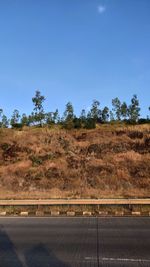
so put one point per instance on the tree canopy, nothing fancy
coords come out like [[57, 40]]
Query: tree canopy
[[120, 112]]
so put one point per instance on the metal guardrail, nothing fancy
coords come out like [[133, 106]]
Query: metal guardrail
[[138, 201]]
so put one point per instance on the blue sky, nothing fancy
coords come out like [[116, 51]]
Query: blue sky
[[74, 50]]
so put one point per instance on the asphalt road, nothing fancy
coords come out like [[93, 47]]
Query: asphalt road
[[70, 242]]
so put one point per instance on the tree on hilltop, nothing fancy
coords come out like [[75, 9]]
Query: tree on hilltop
[[124, 110], [105, 114], [95, 111], [116, 103], [68, 116], [4, 122], [134, 109], [52, 117], [83, 117], [38, 101], [14, 122], [25, 120]]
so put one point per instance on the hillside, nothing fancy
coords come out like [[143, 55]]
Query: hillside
[[109, 161]]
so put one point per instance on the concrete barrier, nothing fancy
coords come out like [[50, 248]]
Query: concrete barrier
[[70, 213], [136, 213], [55, 213], [24, 213], [3, 213]]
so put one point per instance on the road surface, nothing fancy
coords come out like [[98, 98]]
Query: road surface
[[74, 242]]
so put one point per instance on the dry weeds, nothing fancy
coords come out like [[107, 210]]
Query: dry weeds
[[106, 162]]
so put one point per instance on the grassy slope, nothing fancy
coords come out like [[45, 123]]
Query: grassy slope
[[110, 161]]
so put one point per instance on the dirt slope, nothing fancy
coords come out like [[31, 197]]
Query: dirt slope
[[109, 161]]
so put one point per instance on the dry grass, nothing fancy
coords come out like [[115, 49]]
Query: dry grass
[[128, 156], [110, 161]]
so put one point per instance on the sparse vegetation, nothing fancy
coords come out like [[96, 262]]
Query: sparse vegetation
[[109, 161]]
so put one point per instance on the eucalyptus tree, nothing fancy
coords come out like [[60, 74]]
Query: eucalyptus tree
[[134, 110], [116, 103], [39, 114], [68, 116], [95, 111], [15, 119], [4, 122]]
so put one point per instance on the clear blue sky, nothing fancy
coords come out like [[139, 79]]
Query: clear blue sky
[[74, 50]]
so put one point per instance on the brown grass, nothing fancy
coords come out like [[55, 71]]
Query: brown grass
[[106, 162]]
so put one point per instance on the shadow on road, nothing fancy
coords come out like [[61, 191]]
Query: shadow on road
[[8, 255], [41, 256], [37, 256]]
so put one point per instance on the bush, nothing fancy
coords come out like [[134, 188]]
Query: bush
[[36, 160], [17, 125], [90, 124]]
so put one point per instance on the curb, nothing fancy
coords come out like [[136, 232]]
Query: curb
[[76, 214]]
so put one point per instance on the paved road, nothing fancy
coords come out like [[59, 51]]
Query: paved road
[[113, 201], [74, 242]]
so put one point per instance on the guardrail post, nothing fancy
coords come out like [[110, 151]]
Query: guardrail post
[[130, 207]]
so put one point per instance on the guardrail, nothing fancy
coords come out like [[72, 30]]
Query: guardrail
[[138, 201]]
